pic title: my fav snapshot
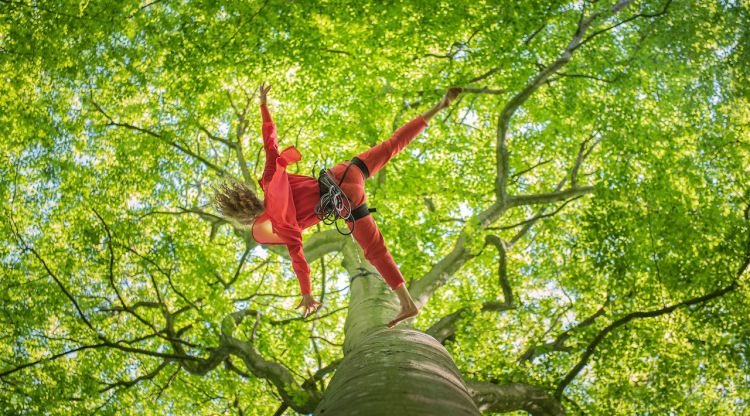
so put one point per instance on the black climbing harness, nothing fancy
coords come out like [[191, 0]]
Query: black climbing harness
[[334, 204]]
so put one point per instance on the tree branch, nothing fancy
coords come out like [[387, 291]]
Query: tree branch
[[214, 137], [111, 277], [282, 408], [446, 327], [529, 169], [163, 139], [490, 397], [322, 243], [239, 266], [559, 343], [482, 91], [129, 383], [54, 277], [501, 157], [502, 269], [51, 358], [630, 19], [585, 76], [535, 218], [583, 361], [302, 400], [423, 288], [546, 198], [242, 124], [484, 76]]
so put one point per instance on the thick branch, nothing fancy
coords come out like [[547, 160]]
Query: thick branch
[[547, 198], [446, 327], [502, 269], [513, 397], [423, 288], [519, 99], [301, 399], [322, 243]]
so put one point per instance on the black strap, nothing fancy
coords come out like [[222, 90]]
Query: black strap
[[344, 175], [362, 273], [361, 165], [362, 211]]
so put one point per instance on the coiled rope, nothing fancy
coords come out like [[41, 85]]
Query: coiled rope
[[334, 204]]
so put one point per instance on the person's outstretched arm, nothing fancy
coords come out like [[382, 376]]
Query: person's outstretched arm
[[447, 99], [302, 270], [270, 141]]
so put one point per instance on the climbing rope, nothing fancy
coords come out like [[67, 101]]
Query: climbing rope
[[334, 204]]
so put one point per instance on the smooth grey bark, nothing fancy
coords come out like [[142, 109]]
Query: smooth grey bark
[[387, 372]]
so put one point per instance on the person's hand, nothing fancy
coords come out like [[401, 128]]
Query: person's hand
[[264, 92], [449, 96], [309, 305]]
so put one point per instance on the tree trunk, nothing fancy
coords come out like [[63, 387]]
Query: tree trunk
[[390, 371]]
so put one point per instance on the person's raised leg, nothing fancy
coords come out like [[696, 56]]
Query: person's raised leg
[[377, 156], [380, 154]]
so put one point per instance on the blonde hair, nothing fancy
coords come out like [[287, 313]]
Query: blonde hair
[[238, 203]]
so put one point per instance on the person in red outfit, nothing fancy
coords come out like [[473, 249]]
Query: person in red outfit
[[290, 202]]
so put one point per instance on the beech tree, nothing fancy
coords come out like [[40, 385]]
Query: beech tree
[[575, 228]]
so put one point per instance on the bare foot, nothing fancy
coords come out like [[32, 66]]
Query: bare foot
[[405, 313]]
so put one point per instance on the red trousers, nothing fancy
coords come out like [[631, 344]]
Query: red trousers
[[366, 232]]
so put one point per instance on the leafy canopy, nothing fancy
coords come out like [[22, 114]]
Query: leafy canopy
[[119, 116]]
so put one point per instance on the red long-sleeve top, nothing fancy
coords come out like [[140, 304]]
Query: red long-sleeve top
[[290, 199]]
